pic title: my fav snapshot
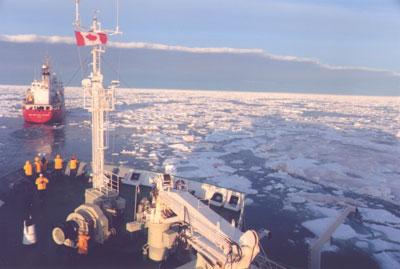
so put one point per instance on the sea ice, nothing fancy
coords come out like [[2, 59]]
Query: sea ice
[[180, 147], [295, 198], [249, 201], [362, 245], [388, 260], [389, 233], [349, 143], [216, 138], [255, 168], [268, 188], [379, 216], [233, 182], [318, 226]]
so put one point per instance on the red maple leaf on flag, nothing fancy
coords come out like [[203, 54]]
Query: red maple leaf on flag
[[91, 37], [103, 38], [88, 39]]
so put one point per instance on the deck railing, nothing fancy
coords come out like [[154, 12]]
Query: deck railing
[[110, 183]]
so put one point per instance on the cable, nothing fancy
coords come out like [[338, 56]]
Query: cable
[[115, 72], [73, 76], [113, 146], [80, 60]]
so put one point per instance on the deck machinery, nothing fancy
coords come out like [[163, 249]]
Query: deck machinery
[[174, 211]]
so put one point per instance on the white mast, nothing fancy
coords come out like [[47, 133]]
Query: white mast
[[76, 13], [102, 202], [97, 100]]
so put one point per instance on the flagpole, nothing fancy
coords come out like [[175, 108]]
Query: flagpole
[[117, 28], [76, 12]]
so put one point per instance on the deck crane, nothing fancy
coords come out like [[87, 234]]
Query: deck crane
[[218, 243]]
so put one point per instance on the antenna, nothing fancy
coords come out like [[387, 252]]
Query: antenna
[[76, 12], [93, 28], [117, 28]]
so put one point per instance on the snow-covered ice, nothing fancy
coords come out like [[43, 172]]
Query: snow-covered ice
[[293, 146], [318, 226]]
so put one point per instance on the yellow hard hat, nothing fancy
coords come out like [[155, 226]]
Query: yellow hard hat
[[27, 162], [36, 158], [58, 156]]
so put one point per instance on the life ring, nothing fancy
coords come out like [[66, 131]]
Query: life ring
[[179, 184]]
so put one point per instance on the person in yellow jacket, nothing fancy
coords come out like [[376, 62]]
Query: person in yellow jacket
[[28, 170], [38, 166], [73, 166], [41, 183], [58, 165], [83, 243]]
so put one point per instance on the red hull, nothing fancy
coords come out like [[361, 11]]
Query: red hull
[[43, 116]]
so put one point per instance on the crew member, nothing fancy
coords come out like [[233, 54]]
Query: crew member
[[28, 170], [73, 166], [83, 243], [45, 163], [58, 165], [41, 183], [38, 166]]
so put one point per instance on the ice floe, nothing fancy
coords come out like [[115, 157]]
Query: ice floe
[[318, 226]]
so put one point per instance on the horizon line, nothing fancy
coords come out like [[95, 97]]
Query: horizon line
[[238, 91]]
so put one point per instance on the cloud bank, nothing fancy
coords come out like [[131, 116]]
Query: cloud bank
[[32, 38], [224, 68]]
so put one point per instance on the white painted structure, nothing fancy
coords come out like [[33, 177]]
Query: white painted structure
[[29, 235], [101, 201]]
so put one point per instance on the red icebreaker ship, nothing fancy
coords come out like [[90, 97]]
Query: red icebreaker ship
[[44, 101]]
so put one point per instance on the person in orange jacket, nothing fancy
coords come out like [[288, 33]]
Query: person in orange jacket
[[28, 170], [83, 243], [38, 166], [41, 183], [73, 166], [58, 165]]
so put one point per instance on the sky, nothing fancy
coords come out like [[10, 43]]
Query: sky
[[339, 47]]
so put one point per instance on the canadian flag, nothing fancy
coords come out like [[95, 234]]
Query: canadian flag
[[89, 39]]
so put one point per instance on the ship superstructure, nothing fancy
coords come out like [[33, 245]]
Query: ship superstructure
[[44, 100], [177, 211]]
